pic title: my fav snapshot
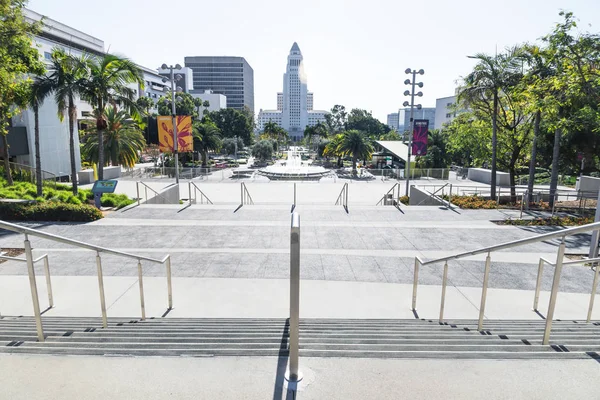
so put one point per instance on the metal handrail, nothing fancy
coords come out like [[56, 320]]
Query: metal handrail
[[98, 249], [388, 192], [294, 332], [157, 194], [46, 273], [555, 284], [343, 197], [246, 198], [434, 193], [197, 189]]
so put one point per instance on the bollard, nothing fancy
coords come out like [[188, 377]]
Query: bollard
[[293, 373]]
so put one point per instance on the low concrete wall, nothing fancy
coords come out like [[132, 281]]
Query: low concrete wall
[[112, 172], [417, 196], [588, 184], [85, 176], [169, 195], [485, 176]]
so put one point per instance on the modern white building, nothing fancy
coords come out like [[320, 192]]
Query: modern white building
[[445, 111], [295, 104], [392, 121], [216, 101], [400, 121]]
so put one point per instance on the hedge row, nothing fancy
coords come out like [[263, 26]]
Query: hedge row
[[49, 211]]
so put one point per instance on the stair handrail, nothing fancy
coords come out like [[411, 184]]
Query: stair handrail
[[98, 249], [343, 197], [46, 273], [388, 192], [246, 198], [156, 194], [562, 234], [197, 189], [431, 195]]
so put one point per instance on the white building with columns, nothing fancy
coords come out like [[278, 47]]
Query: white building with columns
[[295, 104]]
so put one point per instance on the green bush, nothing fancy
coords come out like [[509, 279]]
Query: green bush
[[49, 211], [108, 202], [116, 200]]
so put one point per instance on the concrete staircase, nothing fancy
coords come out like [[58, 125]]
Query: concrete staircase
[[318, 338]]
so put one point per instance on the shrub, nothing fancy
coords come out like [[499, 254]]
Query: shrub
[[404, 200], [473, 202], [49, 211], [108, 202], [550, 221], [74, 200]]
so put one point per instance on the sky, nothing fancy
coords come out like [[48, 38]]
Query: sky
[[355, 52]]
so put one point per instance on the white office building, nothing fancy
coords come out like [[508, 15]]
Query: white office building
[[295, 104], [216, 101], [392, 121], [445, 110]]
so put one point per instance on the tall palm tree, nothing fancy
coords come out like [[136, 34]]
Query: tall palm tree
[[67, 77], [207, 137], [107, 83], [356, 144], [40, 90], [333, 148], [123, 139], [482, 89]]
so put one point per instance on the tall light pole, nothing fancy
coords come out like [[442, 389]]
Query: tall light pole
[[174, 115], [412, 95]]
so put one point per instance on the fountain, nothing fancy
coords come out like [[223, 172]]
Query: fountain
[[293, 169]]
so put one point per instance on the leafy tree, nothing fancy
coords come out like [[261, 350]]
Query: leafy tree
[[332, 149], [482, 88], [469, 140], [18, 57], [123, 140], [198, 103], [391, 136], [232, 123], [146, 104], [107, 83], [206, 138], [228, 145], [319, 131], [184, 105], [356, 144], [336, 119], [362, 120], [274, 132], [263, 150]]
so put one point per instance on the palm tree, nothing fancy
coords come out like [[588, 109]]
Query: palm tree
[[40, 89], [66, 76], [333, 148], [123, 139], [206, 138], [199, 103], [146, 104], [319, 130], [356, 144], [107, 84], [489, 76]]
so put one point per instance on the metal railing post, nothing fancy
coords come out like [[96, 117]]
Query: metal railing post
[[294, 373], [190, 192], [242, 193], [593, 294], [486, 276], [137, 188], [444, 281], [415, 284], [48, 281], [101, 289], [522, 201], [140, 279], [346, 197], [34, 293], [538, 284], [552, 303], [169, 285]]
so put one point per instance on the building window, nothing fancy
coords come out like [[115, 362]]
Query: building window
[[448, 104], [448, 115], [47, 56]]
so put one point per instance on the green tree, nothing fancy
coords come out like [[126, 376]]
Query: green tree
[[336, 119], [233, 123], [469, 140], [206, 138], [18, 58], [357, 145], [198, 103], [123, 140], [40, 90], [228, 145], [319, 131], [332, 149], [362, 120], [67, 75], [274, 132], [146, 104], [391, 136], [107, 83], [481, 91], [437, 155], [184, 105], [263, 150]]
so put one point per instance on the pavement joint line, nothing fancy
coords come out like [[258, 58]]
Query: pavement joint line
[[122, 294]]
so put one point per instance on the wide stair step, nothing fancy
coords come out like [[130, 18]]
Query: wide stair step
[[372, 338]]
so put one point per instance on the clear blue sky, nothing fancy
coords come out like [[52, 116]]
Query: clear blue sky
[[355, 52]]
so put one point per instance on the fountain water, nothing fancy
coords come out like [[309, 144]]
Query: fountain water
[[293, 169]]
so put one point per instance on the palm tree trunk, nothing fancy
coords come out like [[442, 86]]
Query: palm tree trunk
[[554, 176], [204, 157], [72, 118], [38, 158], [9, 178], [494, 144], [536, 132], [100, 132], [353, 165]]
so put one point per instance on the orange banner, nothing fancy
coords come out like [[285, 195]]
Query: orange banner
[[185, 140]]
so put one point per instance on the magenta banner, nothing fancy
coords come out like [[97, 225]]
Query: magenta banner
[[419, 142]]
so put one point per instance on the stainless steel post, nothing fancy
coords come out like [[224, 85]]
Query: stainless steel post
[[522, 201], [538, 285], [294, 193], [34, 293], [593, 294], [346, 197], [594, 244], [486, 276], [444, 281], [190, 192], [415, 284], [169, 285], [48, 282], [101, 289], [294, 373], [242, 193], [552, 304], [498, 200], [137, 188], [140, 280]]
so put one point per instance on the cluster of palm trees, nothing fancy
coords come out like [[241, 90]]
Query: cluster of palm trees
[[103, 82], [353, 143]]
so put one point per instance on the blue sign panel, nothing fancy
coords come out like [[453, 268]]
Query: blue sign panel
[[104, 187]]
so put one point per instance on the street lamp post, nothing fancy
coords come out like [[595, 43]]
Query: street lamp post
[[412, 95], [174, 115]]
